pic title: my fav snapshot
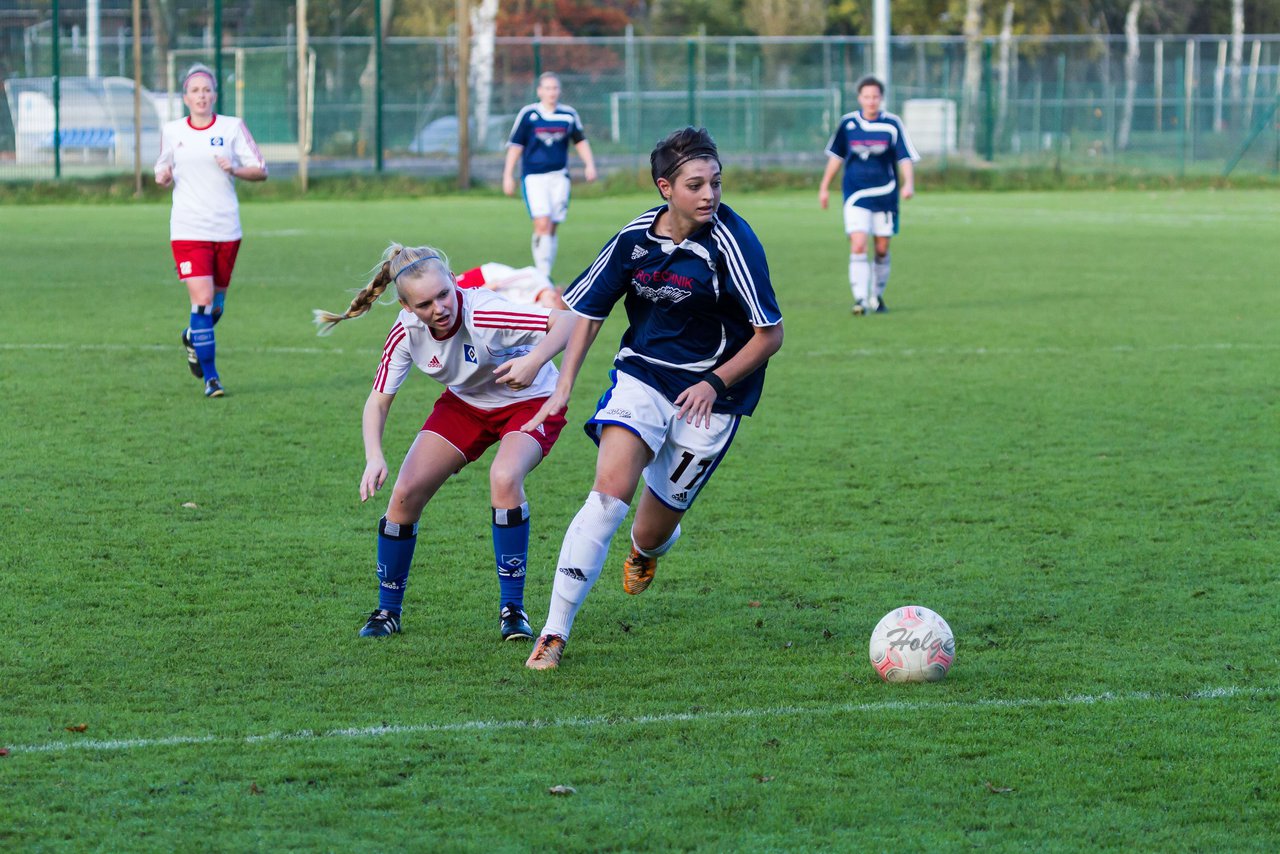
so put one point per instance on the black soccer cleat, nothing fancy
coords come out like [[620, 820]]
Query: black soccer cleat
[[380, 624], [515, 623], [193, 361], [213, 388]]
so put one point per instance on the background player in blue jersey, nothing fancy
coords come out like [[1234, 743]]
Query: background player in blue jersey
[[703, 322], [873, 148], [540, 141]]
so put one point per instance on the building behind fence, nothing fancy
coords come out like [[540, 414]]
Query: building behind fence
[[1184, 105]]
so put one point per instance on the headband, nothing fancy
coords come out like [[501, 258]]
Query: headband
[[414, 264], [703, 151], [212, 79]]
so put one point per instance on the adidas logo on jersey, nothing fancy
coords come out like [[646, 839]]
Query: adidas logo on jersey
[[638, 252], [680, 496], [435, 363]]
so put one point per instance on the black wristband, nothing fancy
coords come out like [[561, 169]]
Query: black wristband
[[713, 380]]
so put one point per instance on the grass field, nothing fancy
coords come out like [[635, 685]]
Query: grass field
[[1063, 438]]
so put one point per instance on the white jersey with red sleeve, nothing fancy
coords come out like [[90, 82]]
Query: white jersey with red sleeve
[[488, 332], [204, 196]]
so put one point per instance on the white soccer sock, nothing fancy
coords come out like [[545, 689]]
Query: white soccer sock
[[859, 276], [660, 550], [586, 545], [544, 253], [881, 273]]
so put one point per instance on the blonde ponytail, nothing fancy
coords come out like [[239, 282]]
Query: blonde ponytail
[[396, 259]]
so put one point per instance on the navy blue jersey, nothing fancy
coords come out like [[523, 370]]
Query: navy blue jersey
[[546, 138], [871, 151], [691, 306]]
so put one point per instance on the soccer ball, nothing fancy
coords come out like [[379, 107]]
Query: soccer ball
[[912, 644]]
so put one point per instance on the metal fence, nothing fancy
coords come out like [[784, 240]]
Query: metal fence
[[1186, 105]]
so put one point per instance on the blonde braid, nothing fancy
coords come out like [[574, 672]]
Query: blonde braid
[[364, 300]]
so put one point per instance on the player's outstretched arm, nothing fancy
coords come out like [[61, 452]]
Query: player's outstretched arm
[[521, 371], [581, 336], [372, 425]]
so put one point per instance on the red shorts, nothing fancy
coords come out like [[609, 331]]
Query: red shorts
[[206, 258], [472, 430]]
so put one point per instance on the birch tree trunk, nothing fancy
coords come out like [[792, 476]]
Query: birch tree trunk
[[368, 83], [1237, 53], [1130, 73], [1003, 69], [972, 73], [484, 25]]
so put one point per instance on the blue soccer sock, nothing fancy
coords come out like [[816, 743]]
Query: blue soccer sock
[[219, 303], [395, 555], [201, 335], [511, 551]]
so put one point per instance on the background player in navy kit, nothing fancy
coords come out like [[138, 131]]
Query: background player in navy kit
[[873, 148], [540, 141], [492, 356], [703, 322]]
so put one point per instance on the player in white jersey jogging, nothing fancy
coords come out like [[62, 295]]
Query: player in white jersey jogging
[[201, 156], [540, 139], [493, 357], [703, 322], [873, 149]]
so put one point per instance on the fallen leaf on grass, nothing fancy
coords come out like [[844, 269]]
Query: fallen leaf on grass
[[562, 790], [761, 778], [191, 505], [254, 789], [77, 728], [827, 634], [753, 604], [996, 790], [4, 751]]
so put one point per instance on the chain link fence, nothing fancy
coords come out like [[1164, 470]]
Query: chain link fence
[[1175, 106]]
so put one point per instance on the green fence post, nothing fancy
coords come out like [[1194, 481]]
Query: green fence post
[[1062, 109], [693, 78], [57, 97], [377, 86], [217, 46], [537, 56], [989, 119], [1182, 120]]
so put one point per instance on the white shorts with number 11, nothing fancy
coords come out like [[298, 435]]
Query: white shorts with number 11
[[685, 456]]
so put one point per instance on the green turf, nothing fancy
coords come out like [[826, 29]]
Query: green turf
[[1063, 438]]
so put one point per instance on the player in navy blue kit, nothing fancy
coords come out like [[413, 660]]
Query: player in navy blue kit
[[877, 157], [703, 322], [540, 140]]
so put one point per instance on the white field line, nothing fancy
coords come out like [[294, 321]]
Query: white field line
[[1108, 697], [1224, 346]]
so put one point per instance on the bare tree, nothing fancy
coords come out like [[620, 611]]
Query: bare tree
[[972, 73], [1237, 51], [1130, 73], [1004, 67], [161, 13]]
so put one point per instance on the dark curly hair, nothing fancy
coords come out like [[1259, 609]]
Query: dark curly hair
[[678, 148]]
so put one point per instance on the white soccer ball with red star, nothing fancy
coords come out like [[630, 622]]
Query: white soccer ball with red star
[[912, 644]]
